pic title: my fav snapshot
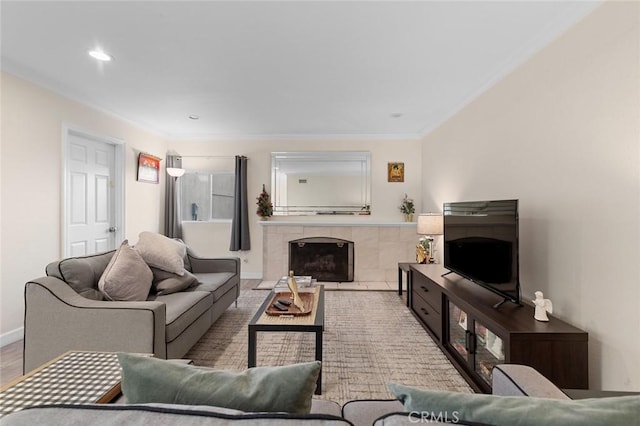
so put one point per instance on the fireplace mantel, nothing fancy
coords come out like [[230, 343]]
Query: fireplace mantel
[[378, 245], [342, 223]]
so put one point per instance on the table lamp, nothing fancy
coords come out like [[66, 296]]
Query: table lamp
[[429, 224]]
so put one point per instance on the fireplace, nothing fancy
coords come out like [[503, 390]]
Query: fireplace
[[324, 258]]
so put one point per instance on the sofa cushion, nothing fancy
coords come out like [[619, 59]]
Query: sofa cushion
[[167, 282], [126, 277], [216, 283], [159, 415], [366, 411], [183, 309], [82, 273], [267, 389], [516, 410], [162, 252]]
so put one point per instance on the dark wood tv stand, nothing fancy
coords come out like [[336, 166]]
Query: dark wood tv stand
[[475, 336]]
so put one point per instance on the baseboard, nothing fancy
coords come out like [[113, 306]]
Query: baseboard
[[12, 336], [251, 275]]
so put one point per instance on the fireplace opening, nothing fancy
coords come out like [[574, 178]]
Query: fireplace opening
[[323, 258]]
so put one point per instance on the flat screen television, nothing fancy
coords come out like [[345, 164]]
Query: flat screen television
[[481, 244]]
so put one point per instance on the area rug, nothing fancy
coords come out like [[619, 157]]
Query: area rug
[[370, 339]]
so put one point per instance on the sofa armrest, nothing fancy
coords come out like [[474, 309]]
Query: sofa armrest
[[221, 264], [57, 320], [522, 380], [325, 406]]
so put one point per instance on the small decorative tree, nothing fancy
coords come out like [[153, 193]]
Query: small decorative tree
[[265, 207]]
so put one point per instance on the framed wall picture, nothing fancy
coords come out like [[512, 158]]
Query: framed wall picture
[[395, 172], [148, 168]]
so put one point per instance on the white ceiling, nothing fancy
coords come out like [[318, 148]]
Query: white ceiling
[[278, 69]]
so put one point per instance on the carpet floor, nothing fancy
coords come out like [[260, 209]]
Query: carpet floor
[[370, 340]]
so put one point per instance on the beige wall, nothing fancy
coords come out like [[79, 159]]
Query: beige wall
[[31, 163], [562, 134], [385, 196]]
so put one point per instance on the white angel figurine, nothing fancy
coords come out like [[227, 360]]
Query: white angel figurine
[[293, 287], [542, 307]]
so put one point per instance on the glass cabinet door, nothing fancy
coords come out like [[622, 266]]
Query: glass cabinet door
[[489, 351], [458, 330]]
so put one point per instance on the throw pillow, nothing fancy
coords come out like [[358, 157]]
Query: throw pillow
[[259, 389], [162, 252], [519, 410], [167, 282], [126, 277]]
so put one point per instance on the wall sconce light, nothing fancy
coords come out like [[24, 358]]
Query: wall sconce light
[[175, 172]]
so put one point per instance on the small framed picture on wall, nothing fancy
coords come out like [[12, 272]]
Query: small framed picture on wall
[[148, 168], [395, 172]]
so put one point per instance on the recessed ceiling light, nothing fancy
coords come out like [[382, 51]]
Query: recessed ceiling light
[[100, 55], [194, 117]]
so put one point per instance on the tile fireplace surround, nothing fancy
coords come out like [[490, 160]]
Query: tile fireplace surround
[[378, 247]]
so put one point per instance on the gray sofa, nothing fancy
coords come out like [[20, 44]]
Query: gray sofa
[[61, 313], [508, 380]]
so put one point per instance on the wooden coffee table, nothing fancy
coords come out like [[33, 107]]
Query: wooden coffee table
[[312, 323], [71, 378]]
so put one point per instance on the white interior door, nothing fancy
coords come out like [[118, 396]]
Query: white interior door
[[91, 216]]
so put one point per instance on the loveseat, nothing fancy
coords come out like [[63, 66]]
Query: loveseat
[[65, 310], [521, 382]]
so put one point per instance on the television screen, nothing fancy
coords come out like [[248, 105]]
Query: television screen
[[481, 244]]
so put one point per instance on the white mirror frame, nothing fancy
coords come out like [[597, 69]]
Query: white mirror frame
[[326, 165]]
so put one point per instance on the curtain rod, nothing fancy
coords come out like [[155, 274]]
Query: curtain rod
[[230, 157]]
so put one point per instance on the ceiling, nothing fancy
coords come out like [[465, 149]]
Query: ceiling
[[270, 69]]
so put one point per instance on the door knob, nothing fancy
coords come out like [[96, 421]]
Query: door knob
[[113, 229]]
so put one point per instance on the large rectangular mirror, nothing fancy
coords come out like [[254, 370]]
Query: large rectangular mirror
[[337, 182]]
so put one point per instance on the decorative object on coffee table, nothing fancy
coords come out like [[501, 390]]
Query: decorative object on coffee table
[[293, 286], [279, 307], [542, 307]]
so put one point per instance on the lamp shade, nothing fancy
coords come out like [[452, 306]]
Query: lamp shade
[[430, 224], [175, 171]]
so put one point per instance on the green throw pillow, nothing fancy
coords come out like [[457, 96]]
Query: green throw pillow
[[520, 410], [260, 389]]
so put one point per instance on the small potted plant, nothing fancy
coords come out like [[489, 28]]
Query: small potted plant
[[265, 207], [365, 210], [407, 208]]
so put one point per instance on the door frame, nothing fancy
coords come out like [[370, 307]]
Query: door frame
[[118, 181]]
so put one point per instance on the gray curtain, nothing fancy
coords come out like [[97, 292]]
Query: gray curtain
[[240, 239], [172, 225]]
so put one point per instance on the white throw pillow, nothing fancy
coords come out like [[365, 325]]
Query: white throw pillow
[[162, 252], [126, 277]]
